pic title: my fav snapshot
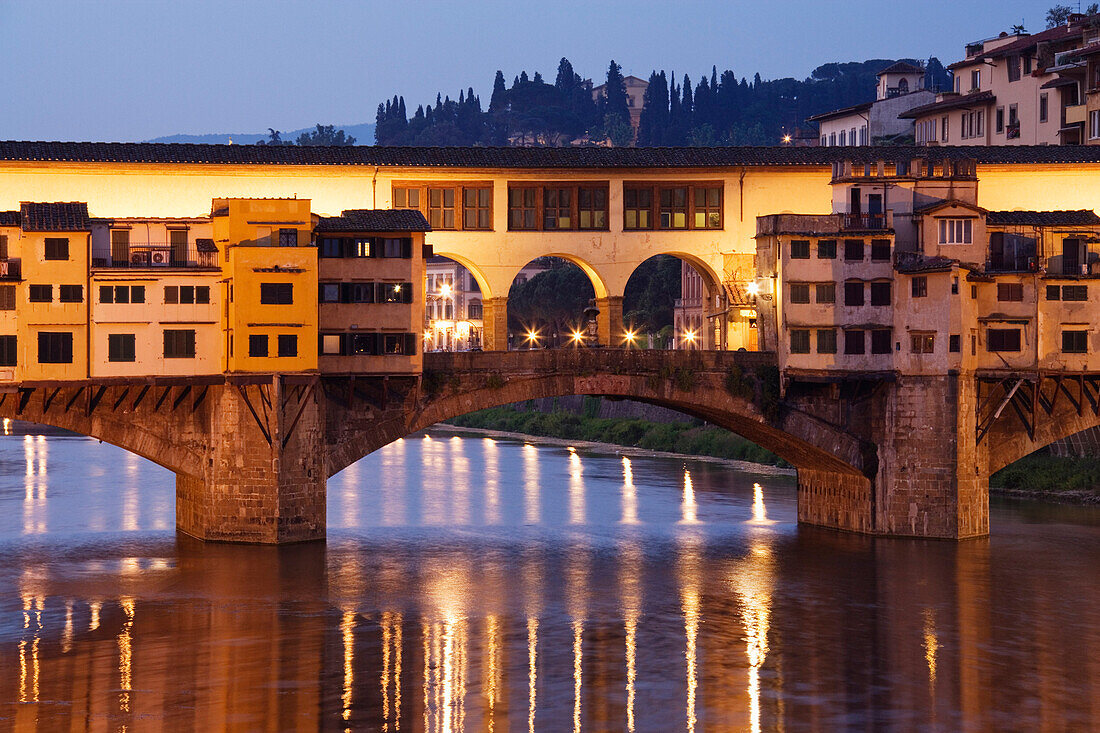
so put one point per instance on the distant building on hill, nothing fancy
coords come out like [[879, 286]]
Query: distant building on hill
[[900, 89], [635, 98]]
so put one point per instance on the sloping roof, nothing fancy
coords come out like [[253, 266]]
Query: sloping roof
[[10, 218], [842, 112], [937, 205], [925, 264], [1062, 32], [1079, 218], [953, 101], [71, 216], [901, 67], [205, 245], [375, 220], [540, 158]]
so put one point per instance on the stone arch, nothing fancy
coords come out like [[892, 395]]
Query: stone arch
[[1009, 441], [599, 282], [654, 377], [712, 295], [479, 276]]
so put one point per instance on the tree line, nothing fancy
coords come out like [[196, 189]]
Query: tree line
[[715, 109]]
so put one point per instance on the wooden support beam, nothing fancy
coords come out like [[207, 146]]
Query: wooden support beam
[[122, 396], [140, 397], [199, 400], [163, 397], [48, 398], [93, 400], [243, 390], [182, 396]]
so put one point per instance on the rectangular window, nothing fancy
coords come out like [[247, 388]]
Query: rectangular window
[[637, 208], [800, 249], [1000, 120], [1094, 124], [406, 198], [137, 293], [954, 343], [55, 348], [477, 208], [853, 250], [395, 293], [441, 208], [880, 250], [328, 293], [557, 208], [1054, 292], [7, 297], [57, 248], [257, 345], [522, 208], [71, 293], [674, 208], [288, 237], [881, 293], [1043, 107], [202, 294], [357, 293], [331, 247], [1075, 292], [800, 341], [288, 345], [8, 351], [592, 208], [40, 293], [956, 231], [800, 293], [920, 286], [1002, 339], [1013, 292], [975, 79], [397, 247], [332, 343], [880, 341], [1013, 66], [826, 249], [187, 294], [276, 293], [1075, 342], [853, 293], [106, 294], [922, 343], [854, 342], [171, 294], [708, 207], [826, 340], [399, 343], [826, 292], [121, 347], [179, 343]]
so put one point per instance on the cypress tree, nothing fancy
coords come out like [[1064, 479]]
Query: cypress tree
[[496, 102], [615, 94]]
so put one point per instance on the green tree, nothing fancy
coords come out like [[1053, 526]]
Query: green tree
[[496, 102], [325, 135], [553, 301], [1058, 15], [614, 102], [650, 294]]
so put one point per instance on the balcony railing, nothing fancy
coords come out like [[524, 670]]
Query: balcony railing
[[865, 221], [154, 255], [11, 269]]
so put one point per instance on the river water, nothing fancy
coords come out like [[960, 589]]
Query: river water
[[478, 584]]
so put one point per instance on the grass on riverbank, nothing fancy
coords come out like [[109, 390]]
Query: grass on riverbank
[[685, 438], [1043, 473]]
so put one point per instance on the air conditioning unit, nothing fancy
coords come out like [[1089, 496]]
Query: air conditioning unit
[[160, 257], [139, 258]]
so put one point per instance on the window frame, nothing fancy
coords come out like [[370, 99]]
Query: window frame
[[259, 346], [277, 293], [1002, 335], [657, 206], [60, 247], [791, 249], [62, 342], [799, 342], [458, 209], [922, 342], [186, 349], [830, 250], [121, 347], [918, 287]]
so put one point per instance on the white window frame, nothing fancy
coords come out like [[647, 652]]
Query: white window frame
[[956, 231]]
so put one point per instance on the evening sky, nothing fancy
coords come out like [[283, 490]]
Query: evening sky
[[130, 70]]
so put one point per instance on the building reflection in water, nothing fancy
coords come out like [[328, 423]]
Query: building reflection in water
[[35, 483], [576, 488], [674, 625], [459, 513], [491, 478]]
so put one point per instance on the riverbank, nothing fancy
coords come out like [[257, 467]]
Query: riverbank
[[1043, 477], [675, 438]]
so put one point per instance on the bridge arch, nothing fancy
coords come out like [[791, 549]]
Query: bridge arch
[[698, 385], [479, 276], [599, 282]]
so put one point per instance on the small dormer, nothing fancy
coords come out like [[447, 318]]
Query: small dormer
[[898, 79]]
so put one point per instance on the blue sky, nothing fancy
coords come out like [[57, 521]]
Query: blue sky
[[129, 70]]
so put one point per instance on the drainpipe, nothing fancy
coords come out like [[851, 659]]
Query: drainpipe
[[88, 312], [374, 188]]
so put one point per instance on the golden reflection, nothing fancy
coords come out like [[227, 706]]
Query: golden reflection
[[67, 635], [35, 455], [630, 584], [351, 486], [576, 488], [29, 669], [130, 503], [446, 644], [530, 484], [688, 507], [753, 584], [576, 581], [492, 485], [689, 602], [391, 668], [630, 494], [393, 488], [7, 426], [931, 645], [347, 632], [125, 655], [493, 682], [759, 511], [532, 666], [94, 607], [460, 482], [578, 638]]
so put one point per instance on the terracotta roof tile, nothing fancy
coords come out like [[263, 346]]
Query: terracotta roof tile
[[10, 218], [70, 216], [375, 220], [1079, 217]]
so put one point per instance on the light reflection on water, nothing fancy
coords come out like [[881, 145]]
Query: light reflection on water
[[477, 584]]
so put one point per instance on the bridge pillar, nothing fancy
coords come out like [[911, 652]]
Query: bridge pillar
[[610, 321], [494, 315], [262, 478], [932, 481]]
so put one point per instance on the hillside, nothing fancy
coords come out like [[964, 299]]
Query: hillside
[[362, 132]]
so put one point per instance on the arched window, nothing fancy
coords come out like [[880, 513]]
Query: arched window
[[903, 86]]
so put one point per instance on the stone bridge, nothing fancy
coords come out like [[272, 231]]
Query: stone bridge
[[901, 456]]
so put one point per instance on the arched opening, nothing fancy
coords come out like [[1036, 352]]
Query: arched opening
[[454, 305], [673, 301], [547, 303]]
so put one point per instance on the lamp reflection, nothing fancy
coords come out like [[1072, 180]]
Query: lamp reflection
[[125, 654], [530, 484], [576, 606], [688, 507], [347, 634], [35, 454], [630, 494], [492, 483], [576, 488], [391, 668], [753, 584], [689, 602], [630, 593]]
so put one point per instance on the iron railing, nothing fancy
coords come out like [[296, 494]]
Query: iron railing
[[154, 255]]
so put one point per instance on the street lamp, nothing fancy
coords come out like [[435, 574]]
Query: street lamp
[[532, 338], [629, 337], [689, 337]]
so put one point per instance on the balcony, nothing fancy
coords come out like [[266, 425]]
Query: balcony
[[1075, 113], [11, 269], [864, 221], [201, 255]]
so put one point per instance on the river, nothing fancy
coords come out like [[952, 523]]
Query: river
[[471, 583]]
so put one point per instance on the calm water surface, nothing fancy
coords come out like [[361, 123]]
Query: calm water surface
[[477, 584]]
